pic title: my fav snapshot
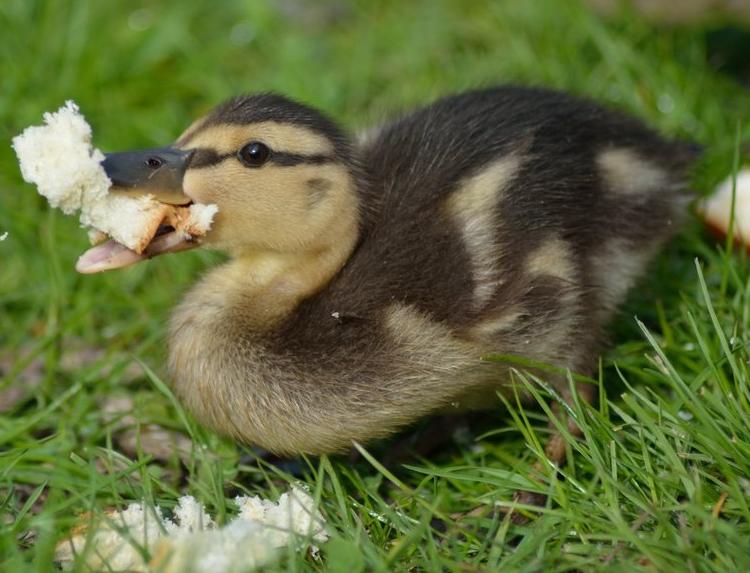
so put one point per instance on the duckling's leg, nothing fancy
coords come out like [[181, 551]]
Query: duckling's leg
[[554, 451], [438, 434]]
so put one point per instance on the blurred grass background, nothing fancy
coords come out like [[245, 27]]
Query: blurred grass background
[[652, 489]]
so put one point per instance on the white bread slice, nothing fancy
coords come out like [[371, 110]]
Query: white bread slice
[[59, 159]]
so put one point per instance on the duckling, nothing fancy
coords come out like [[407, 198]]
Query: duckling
[[368, 278]]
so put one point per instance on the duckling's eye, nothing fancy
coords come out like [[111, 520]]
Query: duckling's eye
[[254, 154]]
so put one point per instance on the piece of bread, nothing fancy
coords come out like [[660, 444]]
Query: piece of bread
[[59, 159], [717, 208], [191, 539]]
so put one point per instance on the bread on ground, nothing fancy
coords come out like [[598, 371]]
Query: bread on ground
[[191, 540], [717, 208]]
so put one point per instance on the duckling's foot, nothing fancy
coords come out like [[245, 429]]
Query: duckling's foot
[[555, 453], [292, 465], [528, 498], [439, 433]]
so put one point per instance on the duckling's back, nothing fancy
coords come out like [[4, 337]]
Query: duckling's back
[[508, 220], [511, 214]]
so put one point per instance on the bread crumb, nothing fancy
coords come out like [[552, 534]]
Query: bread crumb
[[717, 208], [191, 540], [201, 217], [191, 517], [114, 544], [59, 159]]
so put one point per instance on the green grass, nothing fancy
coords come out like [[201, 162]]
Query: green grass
[[661, 479]]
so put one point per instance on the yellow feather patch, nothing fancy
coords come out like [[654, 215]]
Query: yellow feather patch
[[474, 207], [626, 172], [492, 326], [553, 258], [615, 267]]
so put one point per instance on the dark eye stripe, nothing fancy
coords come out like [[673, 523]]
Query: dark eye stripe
[[206, 157], [289, 159]]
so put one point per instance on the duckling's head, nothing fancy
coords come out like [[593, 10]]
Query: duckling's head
[[287, 187], [282, 175]]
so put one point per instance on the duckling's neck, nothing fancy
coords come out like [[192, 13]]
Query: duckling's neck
[[262, 287]]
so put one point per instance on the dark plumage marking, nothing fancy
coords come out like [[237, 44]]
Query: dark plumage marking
[[207, 157], [290, 159], [318, 189]]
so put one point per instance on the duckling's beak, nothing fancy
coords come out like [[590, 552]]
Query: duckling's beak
[[157, 171]]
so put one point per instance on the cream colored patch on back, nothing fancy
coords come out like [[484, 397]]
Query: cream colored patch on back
[[553, 258], [548, 337], [495, 325], [616, 266], [474, 207], [228, 138], [433, 369], [429, 346], [416, 333], [626, 172], [366, 136]]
